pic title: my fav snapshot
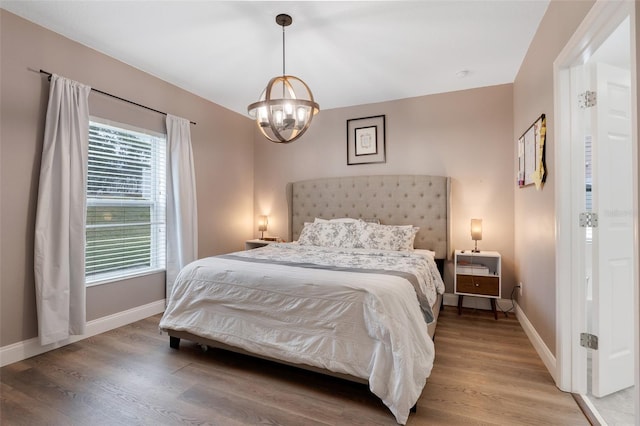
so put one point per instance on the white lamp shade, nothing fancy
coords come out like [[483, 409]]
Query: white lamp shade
[[476, 229], [263, 221]]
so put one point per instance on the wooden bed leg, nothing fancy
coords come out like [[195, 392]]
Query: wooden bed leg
[[174, 342], [414, 409]]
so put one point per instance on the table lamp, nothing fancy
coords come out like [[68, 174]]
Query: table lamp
[[263, 221], [476, 232]]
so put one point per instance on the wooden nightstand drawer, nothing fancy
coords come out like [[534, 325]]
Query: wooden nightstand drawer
[[475, 284]]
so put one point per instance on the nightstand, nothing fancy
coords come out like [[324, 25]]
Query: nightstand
[[252, 244], [477, 274]]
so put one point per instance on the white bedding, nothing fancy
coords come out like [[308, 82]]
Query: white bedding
[[368, 325]]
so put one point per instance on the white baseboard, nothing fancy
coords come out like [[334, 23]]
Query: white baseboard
[[28, 348], [547, 357]]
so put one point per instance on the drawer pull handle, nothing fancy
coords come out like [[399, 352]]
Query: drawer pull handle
[[477, 285]]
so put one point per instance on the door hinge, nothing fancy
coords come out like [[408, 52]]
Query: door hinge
[[588, 219], [587, 99], [589, 341]]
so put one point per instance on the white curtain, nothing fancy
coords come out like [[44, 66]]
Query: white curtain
[[182, 214], [61, 213]]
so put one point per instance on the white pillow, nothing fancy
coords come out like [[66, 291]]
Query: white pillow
[[387, 237], [371, 220], [341, 219], [425, 252]]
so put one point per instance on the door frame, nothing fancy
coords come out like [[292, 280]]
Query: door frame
[[571, 359]]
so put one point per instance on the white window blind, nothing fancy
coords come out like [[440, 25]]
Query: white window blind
[[126, 202]]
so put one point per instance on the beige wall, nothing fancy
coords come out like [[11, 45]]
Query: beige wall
[[222, 145], [467, 135], [535, 210]]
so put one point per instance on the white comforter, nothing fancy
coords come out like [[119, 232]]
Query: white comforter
[[365, 324]]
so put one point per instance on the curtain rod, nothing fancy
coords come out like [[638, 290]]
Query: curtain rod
[[118, 97]]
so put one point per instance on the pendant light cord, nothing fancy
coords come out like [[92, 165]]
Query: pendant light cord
[[283, 62], [283, 52]]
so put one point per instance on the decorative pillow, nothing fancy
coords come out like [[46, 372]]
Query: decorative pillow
[[387, 237], [331, 234]]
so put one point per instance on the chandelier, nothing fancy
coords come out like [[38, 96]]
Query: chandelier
[[286, 106]]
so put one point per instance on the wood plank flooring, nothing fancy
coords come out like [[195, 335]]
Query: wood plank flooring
[[486, 372]]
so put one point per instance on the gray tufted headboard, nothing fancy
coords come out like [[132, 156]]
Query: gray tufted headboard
[[417, 200]]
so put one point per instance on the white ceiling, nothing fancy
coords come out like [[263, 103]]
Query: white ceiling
[[349, 53]]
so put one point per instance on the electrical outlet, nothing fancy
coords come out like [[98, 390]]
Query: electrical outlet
[[521, 286]]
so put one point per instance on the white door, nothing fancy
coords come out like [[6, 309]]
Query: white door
[[574, 362], [613, 261]]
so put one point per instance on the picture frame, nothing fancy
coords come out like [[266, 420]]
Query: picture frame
[[532, 169], [366, 140]]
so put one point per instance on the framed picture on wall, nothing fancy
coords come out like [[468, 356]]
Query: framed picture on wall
[[366, 140]]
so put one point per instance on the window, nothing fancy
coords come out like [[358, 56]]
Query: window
[[126, 202]]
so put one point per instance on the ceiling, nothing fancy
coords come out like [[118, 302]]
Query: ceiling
[[349, 53]]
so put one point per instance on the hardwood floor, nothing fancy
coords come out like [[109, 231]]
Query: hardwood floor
[[486, 372]]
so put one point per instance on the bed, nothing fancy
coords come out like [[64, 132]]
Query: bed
[[348, 298]]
